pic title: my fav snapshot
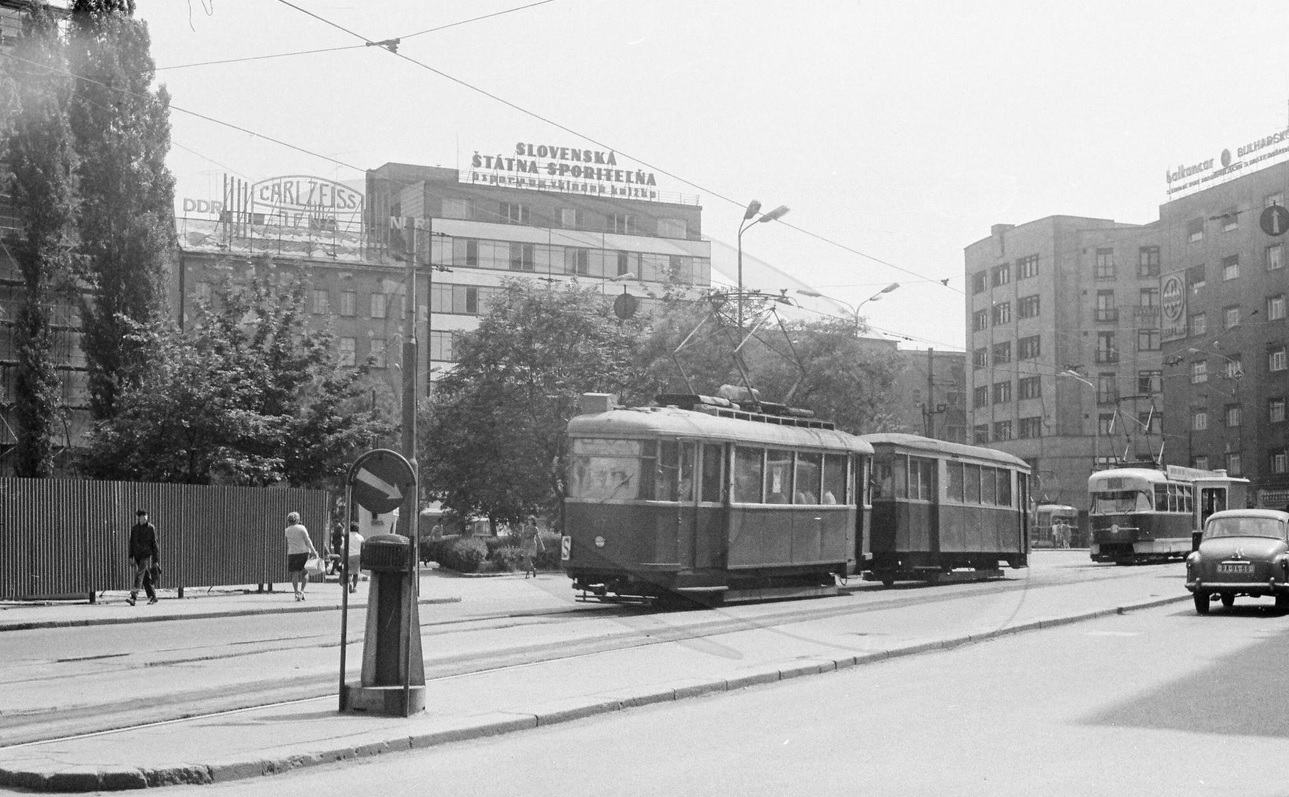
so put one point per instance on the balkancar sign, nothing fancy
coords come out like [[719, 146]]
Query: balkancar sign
[[1186, 178]]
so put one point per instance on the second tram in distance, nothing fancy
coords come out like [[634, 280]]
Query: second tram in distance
[[1152, 515]]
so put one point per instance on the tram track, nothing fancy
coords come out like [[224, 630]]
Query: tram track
[[641, 626]]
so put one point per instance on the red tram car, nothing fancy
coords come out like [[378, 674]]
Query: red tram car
[[702, 499]]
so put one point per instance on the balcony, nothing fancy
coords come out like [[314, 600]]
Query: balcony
[[1107, 357], [1107, 314]]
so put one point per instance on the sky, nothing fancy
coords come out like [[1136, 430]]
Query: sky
[[897, 133]]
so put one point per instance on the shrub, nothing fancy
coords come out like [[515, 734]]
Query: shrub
[[464, 554], [548, 556], [509, 558]]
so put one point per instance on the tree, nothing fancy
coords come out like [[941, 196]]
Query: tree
[[40, 152], [126, 218], [495, 433], [247, 395]]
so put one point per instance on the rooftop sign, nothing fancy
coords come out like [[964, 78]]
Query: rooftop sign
[[573, 170], [1186, 178]]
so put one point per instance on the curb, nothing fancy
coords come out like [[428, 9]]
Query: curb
[[162, 618], [86, 779]]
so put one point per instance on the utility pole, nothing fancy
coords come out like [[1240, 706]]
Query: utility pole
[[930, 385]]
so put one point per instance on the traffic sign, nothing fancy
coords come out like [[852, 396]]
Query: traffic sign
[[379, 480], [1274, 220]]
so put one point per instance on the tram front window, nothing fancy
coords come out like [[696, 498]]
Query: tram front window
[[1120, 501], [602, 470]]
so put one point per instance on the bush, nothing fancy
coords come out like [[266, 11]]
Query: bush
[[509, 558], [548, 556], [463, 554]]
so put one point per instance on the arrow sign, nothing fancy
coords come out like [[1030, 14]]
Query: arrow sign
[[380, 479]]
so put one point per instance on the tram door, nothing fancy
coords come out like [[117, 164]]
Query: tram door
[[688, 485]]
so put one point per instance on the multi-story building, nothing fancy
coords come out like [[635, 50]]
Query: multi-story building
[[929, 394], [1063, 342]]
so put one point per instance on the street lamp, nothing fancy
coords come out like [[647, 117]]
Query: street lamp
[[873, 298], [1096, 428], [852, 308], [750, 218]]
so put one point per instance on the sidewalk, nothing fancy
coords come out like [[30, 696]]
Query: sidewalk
[[263, 741]]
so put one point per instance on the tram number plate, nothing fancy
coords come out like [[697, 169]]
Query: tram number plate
[[1235, 568]]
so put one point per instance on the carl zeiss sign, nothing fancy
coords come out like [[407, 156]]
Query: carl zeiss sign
[[290, 201], [574, 170]]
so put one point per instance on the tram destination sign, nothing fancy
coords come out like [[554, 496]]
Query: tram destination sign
[[380, 480]]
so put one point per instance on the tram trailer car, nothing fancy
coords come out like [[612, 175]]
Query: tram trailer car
[[945, 511], [698, 499], [1145, 514]]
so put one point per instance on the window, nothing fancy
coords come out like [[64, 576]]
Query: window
[[1280, 462], [980, 282], [1233, 415], [514, 213], [1148, 261], [577, 261], [980, 357], [348, 350], [622, 223], [458, 209], [1029, 387], [1028, 348], [521, 256], [980, 433], [1196, 277], [1002, 313], [1027, 267], [1234, 467], [1002, 353], [1027, 307], [1195, 230], [1148, 297], [1107, 348], [348, 303], [1276, 360], [1151, 421], [1105, 424], [1031, 427], [1230, 219], [320, 301], [572, 218], [1002, 275], [1198, 323], [441, 344], [1199, 372], [1200, 462], [1149, 382], [1230, 317], [1003, 430], [778, 477], [1148, 340], [1273, 199], [379, 304], [1230, 267], [465, 299], [1276, 410], [1276, 307], [979, 320], [378, 352], [1002, 392], [1105, 308], [673, 228], [1104, 264], [980, 396], [1275, 258], [1107, 388], [625, 261]]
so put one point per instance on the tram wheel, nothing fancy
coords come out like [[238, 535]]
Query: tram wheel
[[1228, 600], [1201, 603], [1282, 603]]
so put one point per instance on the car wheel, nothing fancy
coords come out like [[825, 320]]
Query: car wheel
[[1228, 600], [1201, 603]]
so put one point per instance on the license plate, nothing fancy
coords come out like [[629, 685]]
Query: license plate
[[1235, 568]]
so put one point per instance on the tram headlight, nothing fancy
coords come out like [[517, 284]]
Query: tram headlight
[[599, 541]]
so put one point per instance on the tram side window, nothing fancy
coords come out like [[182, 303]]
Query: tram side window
[[835, 479], [711, 480], [883, 479], [954, 470], [603, 470], [920, 478], [685, 488], [778, 477], [1161, 497], [668, 472], [748, 464], [1188, 498], [1004, 488], [809, 472], [971, 480], [988, 486]]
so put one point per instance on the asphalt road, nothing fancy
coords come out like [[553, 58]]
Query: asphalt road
[[1152, 702]]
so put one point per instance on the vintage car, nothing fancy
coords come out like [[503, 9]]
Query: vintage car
[[1242, 552]]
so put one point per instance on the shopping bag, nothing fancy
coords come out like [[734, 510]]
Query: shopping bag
[[313, 566]]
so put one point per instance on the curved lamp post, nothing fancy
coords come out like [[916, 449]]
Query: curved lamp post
[[750, 218], [1096, 417], [853, 308]]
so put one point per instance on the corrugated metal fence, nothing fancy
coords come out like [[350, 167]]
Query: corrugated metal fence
[[61, 538]]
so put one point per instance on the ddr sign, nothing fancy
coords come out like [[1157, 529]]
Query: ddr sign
[[380, 479], [1274, 220]]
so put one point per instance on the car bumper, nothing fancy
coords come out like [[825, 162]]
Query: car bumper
[[1243, 587]]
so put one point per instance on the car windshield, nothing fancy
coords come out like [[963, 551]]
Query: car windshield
[[1245, 527]]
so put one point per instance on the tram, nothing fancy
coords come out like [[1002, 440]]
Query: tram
[[1152, 515], [1048, 517], [701, 499], [944, 511]]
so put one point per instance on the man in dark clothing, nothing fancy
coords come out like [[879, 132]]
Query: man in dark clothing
[[144, 553]]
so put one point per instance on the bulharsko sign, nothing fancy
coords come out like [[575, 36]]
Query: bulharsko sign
[[1263, 151], [550, 167]]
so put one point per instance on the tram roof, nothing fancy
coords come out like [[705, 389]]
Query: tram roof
[[1172, 473], [918, 443], [672, 421]]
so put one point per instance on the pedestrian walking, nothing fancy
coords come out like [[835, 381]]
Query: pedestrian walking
[[146, 557], [531, 537], [355, 556], [299, 547]]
